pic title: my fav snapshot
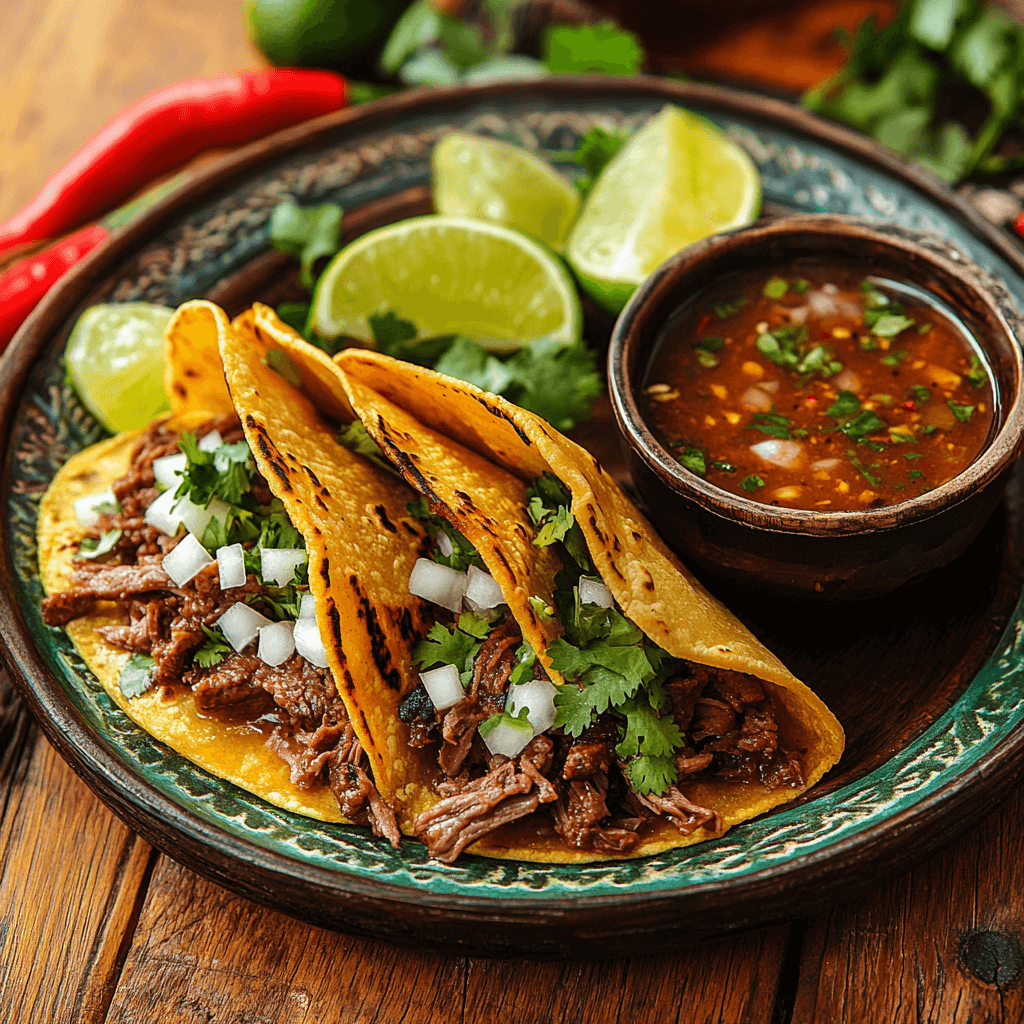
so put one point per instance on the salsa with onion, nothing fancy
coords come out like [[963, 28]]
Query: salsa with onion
[[819, 389]]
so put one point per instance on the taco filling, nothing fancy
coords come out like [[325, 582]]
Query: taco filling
[[214, 578], [601, 757]]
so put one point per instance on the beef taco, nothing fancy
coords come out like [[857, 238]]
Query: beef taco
[[190, 565], [584, 696]]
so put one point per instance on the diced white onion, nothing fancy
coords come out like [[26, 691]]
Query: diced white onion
[[185, 559], [756, 399], [438, 584], [822, 304], [195, 518], [824, 464], [278, 565], [276, 643], [538, 697], [85, 508], [443, 686], [231, 566], [482, 589], [830, 289], [307, 606], [508, 739], [211, 441], [168, 469], [799, 315], [779, 453], [163, 515], [240, 624], [444, 544], [771, 386], [594, 591], [848, 381], [308, 643]]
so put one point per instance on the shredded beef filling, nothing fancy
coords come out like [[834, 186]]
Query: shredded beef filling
[[729, 720], [295, 704]]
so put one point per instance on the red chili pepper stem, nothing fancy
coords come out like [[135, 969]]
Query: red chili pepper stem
[[164, 130]]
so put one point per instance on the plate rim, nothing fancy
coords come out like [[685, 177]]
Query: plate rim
[[164, 823]]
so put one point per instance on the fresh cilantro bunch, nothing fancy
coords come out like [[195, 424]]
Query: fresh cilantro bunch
[[310, 233], [789, 346], [463, 553], [611, 667], [547, 504], [457, 646], [934, 56]]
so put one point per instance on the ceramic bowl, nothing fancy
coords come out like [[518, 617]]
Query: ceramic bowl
[[853, 554]]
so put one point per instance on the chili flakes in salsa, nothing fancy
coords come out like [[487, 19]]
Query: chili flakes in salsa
[[819, 390]]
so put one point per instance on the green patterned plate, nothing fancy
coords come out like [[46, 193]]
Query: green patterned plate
[[943, 673]]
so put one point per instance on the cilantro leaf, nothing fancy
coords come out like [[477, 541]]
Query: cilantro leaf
[[547, 505], [213, 650], [775, 288], [647, 774], [845, 407], [728, 307], [458, 646], [693, 459], [752, 483], [356, 439], [518, 721], [556, 381], [93, 548], [603, 49], [919, 393], [889, 326], [467, 360], [977, 374], [866, 423], [310, 233], [647, 732], [137, 675], [463, 553], [962, 412], [390, 330], [294, 314], [596, 150], [573, 711]]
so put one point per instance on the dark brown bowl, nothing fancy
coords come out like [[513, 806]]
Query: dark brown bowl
[[832, 554]]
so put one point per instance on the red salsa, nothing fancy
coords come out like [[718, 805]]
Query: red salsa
[[820, 390]]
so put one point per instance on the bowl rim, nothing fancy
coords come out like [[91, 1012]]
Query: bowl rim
[[646, 310]]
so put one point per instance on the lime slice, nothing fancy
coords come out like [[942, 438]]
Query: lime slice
[[479, 177], [115, 361], [449, 275], [679, 179]]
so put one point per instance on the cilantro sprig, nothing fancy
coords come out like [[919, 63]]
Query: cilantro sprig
[[457, 646], [463, 553], [548, 506]]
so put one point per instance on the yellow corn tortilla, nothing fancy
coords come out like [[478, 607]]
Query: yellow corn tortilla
[[193, 378], [434, 422]]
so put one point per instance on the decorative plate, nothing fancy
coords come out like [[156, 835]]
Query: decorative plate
[[929, 683]]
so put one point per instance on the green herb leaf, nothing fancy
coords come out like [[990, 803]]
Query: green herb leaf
[[463, 553], [962, 412], [710, 344], [977, 374], [651, 774], [752, 483], [603, 49], [137, 675], [919, 393], [924, 328], [309, 233], [389, 330], [913, 455], [845, 407], [928, 431], [356, 439], [866, 423], [467, 360], [92, 548], [801, 286], [863, 470], [518, 721], [281, 363], [907, 438], [915, 474], [896, 357], [548, 506], [213, 650], [693, 460], [294, 314], [725, 467], [458, 646], [889, 326], [775, 288], [596, 150], [728, 307]]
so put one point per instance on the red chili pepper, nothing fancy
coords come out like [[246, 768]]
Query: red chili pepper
[[1018, 225], [705, 320], [909, 404], [822, 335], [23, 287], [166, 129]]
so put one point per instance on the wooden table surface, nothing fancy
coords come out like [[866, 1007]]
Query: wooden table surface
[[97, 926]]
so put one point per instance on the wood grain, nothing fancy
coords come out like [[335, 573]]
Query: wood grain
[[203, 954], [941, 944], [70, 879]]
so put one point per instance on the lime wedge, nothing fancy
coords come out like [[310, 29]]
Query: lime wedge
[[115, 361], [480, 177], [679, 179], [449, 275]]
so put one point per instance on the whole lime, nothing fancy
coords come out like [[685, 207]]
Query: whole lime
[[344, 34]]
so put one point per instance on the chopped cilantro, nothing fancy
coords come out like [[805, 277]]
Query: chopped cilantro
[[548, 506], [920, 394], [868, 344], [556, 381], [596, 150], [707, 359], [725, 467], [929, 430], [458, 646], [977, 374], [693, 459], [863, 470], [710, 344], [962, 412], [518, 721], [789, 347], [896, 357], [728, 307], [294, 314], [771, 423], [866, 423], [137, 675], [213, 650], [801, 286], [752, 483], [463, 553], [281, 363], [888, 326], [603, 49], [310, 233], [899, 438], [542, 609], [845, 407], [913, 455], [915, 474], [93, 548], [775, 288], [389, 330], [924, 328]]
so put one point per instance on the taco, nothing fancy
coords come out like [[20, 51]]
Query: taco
[[189, 564], [585, 697]]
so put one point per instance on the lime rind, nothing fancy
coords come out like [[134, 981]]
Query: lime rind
[[679, 179], [488, 179], [449, 275]]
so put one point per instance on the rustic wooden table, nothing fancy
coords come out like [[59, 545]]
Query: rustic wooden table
[[97, 926]]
